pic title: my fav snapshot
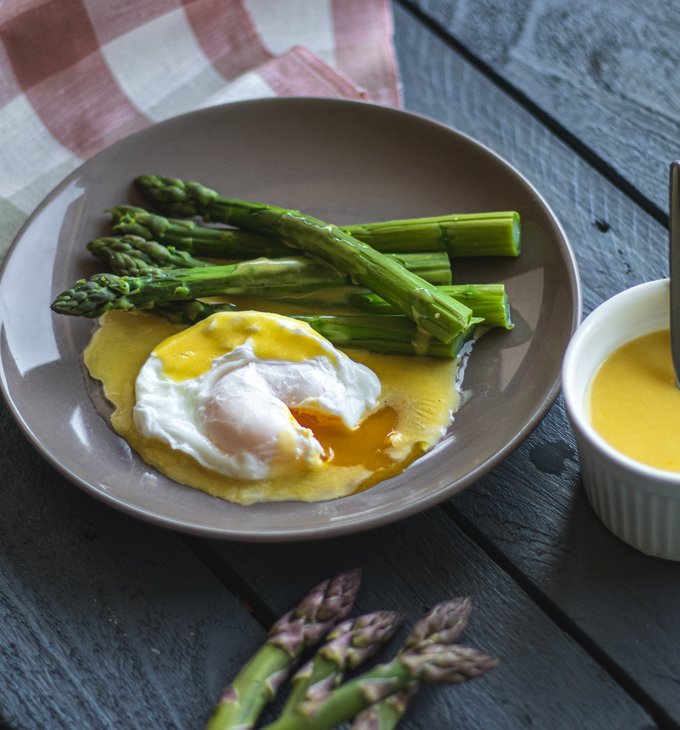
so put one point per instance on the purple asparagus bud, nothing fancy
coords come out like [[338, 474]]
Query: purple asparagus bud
[[450, 664], [349, 644], [431, 656], [311, 620], [443, 624], [260, 678], [355, 640]]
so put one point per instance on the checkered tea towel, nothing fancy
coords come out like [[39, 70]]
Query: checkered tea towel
[[77, 75]]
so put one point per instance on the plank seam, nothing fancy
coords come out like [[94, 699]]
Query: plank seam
[[584, 151], [561, 619], [231, 581]]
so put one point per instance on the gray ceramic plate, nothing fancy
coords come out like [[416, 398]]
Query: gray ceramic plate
[[341, 161]]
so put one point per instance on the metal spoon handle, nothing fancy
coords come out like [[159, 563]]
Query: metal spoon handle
[[674, 263]]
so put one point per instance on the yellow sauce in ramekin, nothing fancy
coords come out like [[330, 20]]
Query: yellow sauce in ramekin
[[634, 404]]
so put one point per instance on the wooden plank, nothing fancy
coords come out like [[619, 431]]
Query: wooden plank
[[616, 243], [607, 72], [544, 678], [533, 508], [105, 621], [624, 602]]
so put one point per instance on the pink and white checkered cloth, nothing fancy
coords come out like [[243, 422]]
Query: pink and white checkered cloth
[[77, 75]]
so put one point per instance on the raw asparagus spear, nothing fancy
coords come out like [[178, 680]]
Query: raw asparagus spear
[[443, 624], [389, 334], [386, 714], [452, 664], [433, 656], [348, 645], [465, 234], [432, 311], [303, 627], [259, 277], [135, 256]]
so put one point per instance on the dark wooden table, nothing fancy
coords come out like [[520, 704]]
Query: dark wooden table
[[107, 622]]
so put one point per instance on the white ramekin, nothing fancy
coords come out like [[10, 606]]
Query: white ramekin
[[639, 503]]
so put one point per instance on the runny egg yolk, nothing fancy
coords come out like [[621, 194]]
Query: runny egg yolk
[[367, 446], [416, 403]]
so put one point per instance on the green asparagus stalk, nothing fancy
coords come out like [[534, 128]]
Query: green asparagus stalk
[[259, 277], [489, 302], [433, 312], [386, 714], [467, 234], [433, 266], [134, 256], [303, 627], [190, 312], [431, 656], [348, 645], [387, 334], [462, 235], [444, 624], [216, 243]]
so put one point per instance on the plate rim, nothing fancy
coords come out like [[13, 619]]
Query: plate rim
[[328, 530]]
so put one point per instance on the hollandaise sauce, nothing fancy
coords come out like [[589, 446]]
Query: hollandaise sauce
[[634, 403], [416, 404]]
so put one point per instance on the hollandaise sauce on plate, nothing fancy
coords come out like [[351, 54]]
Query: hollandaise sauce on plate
[[297, 418]]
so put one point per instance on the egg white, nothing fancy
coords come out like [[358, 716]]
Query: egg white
[[235, 418]]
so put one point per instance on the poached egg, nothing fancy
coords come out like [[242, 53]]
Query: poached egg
[[417, 399], [229, 392]]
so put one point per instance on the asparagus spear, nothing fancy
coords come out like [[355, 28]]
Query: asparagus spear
[[134, 256], [386, 714], [489, 302], [430, 656], [443, 624], [262, 277], [393, 334], [452, 664], [348, 645], [389, 334], [432, 311], [303, 627], [467, 234], [199, 240]]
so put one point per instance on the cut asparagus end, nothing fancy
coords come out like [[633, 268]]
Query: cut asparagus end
[[496, 233], [489, 302]]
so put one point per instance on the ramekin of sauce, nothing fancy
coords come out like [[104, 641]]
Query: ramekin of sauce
[[624, 407]]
